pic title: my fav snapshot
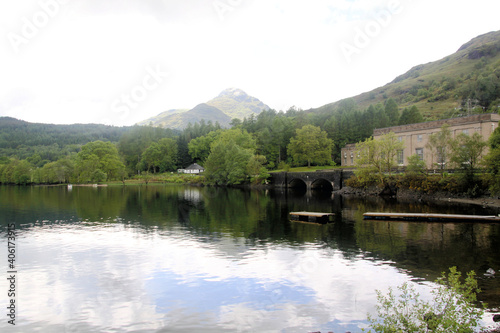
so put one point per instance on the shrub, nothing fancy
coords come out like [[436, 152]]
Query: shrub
[[451, 309]]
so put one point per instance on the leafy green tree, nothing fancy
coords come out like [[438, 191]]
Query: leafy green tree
[[227, 163], [256, 169], [199, 148], [57, 172], [17, 172], [415, 165], [134, 142], [311, 145], [440, 144], [376, 157], [160, 156], [451, 309], [98, 155], [466, 155], [467, 151]]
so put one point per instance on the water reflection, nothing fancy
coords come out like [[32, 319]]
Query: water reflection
[[213, 259]]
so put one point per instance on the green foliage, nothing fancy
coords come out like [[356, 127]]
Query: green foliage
[[310, 145], [160, 156], [415, 165], [440, 144], [17, 172], [256, 170], [98, 161], [466, 155], [492, 162], [451, 309], [377, 157], [134, 142], [392, 112], [227, 163], [59, 172], [411, 116]]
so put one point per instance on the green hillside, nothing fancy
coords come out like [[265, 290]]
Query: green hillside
[[158, 118], [466, 81]]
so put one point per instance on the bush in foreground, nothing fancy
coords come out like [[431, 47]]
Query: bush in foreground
[[452, 308]]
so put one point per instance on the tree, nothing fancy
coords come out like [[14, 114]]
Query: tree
[[392, 112], [311, 145], [411, 116], [199, 148], [160, 156], [227, 163], [98, 158], [451, 308], [377, 157], [440, 144], [467, 151], [466, 155], [492, 161], [57, 172], [256, 169], [17, 172]]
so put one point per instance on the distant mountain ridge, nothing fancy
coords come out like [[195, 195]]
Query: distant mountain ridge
[[442, 88], [230, 103]]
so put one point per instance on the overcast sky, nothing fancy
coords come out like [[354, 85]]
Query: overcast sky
[[121, 61]]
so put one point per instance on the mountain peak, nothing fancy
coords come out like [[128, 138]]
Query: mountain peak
[[230, 103], [237, 104], [232, 92]]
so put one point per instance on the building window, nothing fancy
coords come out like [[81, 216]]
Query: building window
[[420, 153], [400, 138], [401, 159], [465, 131], [419, 138], [352, 159]]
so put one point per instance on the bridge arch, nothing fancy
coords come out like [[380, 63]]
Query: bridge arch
[[297, 183], [322, 184]]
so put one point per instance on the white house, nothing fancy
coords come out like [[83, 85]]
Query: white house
[[193, 168]]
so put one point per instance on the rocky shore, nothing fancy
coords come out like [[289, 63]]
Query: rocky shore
[[409, 195]]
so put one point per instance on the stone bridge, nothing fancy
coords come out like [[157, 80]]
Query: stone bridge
[[331, 180]]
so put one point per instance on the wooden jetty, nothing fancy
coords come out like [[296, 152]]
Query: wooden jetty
[[429, 217], [311, 217]]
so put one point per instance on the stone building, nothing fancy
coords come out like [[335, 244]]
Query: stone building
[[416, 136]]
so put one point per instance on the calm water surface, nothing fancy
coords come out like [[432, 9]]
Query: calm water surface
[[187, 259]]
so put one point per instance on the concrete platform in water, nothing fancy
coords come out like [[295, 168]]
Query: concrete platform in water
[[311, 217], [429, 217]]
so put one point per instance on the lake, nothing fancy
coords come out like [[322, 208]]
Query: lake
[[168, 258]]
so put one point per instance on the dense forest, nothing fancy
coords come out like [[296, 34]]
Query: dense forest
[[41, 153]]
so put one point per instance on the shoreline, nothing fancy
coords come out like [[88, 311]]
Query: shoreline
[[405, 194]]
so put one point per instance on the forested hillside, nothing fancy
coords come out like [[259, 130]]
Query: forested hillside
[[466, 81], [24, 139]]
